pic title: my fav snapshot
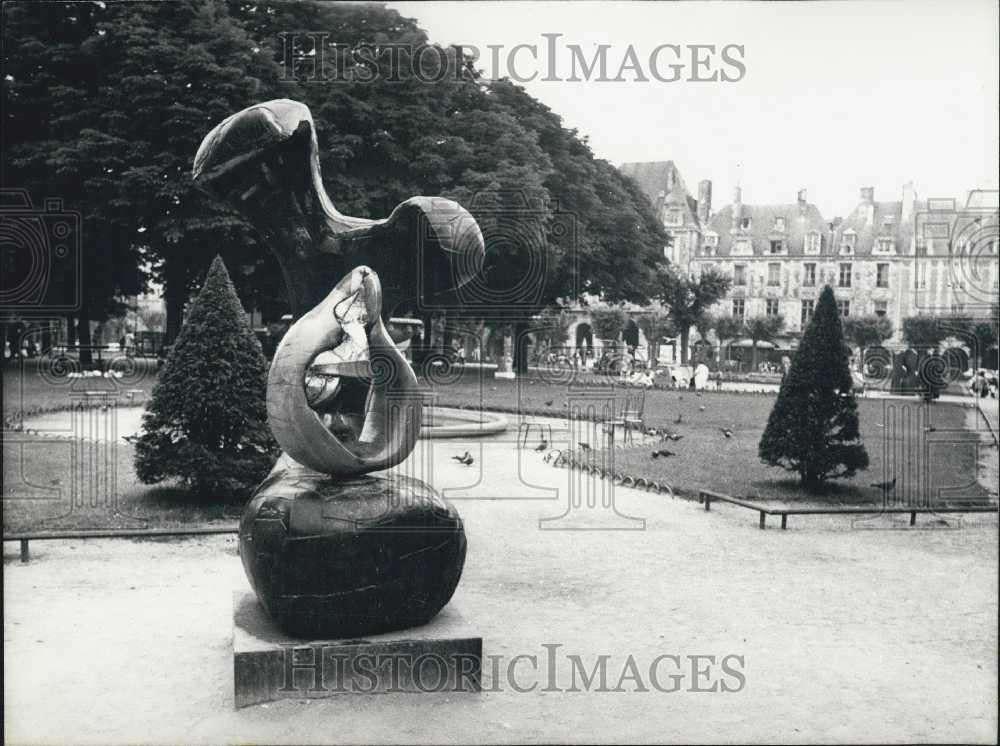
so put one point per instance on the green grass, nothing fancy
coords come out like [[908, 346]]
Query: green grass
[[39, 473], [706, 459], [46, 486], [35, 385]]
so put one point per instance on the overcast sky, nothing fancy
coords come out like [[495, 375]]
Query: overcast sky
[[835, 95]]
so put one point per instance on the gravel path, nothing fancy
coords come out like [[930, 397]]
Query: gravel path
[[887, 634]]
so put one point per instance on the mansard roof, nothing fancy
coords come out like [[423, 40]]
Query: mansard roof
[[800, 219]]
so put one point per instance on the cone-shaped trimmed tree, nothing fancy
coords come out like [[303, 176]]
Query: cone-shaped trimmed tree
[[207, 421], [813, 428]]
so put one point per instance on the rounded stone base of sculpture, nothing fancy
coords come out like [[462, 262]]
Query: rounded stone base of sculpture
[[332, 558]]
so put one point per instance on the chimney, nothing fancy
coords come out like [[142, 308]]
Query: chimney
[[737, 206], [867, 195], [704, 201], [802, 202], [670, 178], [909, 201]]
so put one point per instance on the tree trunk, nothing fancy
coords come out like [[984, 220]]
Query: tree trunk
[[174, 302], [46, 336], [86, 354], [685, 333], [753, 363], [520, 353]]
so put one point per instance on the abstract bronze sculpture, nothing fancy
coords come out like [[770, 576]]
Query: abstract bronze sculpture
[[330, 551]]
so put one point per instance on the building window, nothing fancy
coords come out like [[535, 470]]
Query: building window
[[675, 217], [774, 274], [847, 241], [887, 224], [739, 307], [809, 274], [740, 274], [886, 245], [772, 307], [844, 308], [743, 247], [808, 306], [812, 242], [745, 224], [882, 275], [777, 247], [711, 239], [779, 225], [881, 307], [845, 276]]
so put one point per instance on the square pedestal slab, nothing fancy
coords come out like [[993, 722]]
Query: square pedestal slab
[[441, 656]]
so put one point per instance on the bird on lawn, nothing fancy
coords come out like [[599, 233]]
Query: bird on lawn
[[885, 486], [930, 429], [549, 402], [662, 452], [698, 395], [701, 408], [679, 420], [465, 458], [673, 436], [726, 431], [542, 446], [584, 446]]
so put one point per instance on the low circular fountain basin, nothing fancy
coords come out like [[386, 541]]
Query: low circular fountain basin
[[441, 422]]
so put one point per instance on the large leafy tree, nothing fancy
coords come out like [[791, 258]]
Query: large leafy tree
[[656, 325], [866, 331], [688, 297], [557, 221], [106, 105], [608, 322], [762, 328], [813, 428], [206, 424], [727, 328]]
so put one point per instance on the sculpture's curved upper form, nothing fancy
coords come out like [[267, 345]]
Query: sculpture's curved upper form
[[265, 159]]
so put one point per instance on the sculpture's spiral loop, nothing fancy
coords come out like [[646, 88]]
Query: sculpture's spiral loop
[[341, 398]]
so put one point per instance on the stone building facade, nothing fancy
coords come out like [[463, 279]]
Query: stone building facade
[[895, 258]]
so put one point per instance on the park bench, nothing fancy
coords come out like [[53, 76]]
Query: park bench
[[707, 497], [132, 533]]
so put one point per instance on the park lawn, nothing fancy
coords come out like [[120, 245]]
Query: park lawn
[[706, 459], [37, 471], [34, 385], [39, 480]]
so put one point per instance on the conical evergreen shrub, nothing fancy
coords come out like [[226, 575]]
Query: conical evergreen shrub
[[207, 420], [813, 428]]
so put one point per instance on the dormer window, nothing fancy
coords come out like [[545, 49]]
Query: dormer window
[[777, 247], [812, 242], [888, 224], [886, 245], [711, 238], [745, 224], [847, 241], [742, 247], [675, 217], [779, 225]]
